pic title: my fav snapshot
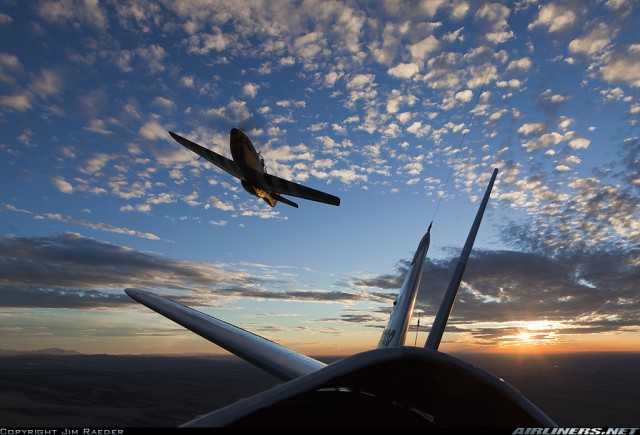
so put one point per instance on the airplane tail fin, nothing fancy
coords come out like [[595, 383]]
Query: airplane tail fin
[[396, 331], [437, 330]]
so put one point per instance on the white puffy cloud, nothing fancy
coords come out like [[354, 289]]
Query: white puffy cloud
[[152, 130], [547, 140], [554, 17], [421, 50], [496, 15], [404, 70], [360, 81], [464, 96], [419, 129], [623, 67], [533, 127], [187, 81], [62, 185], [579, 143], [347, 176], [520, 65], [204, 43], [250, 90], [592, 43]]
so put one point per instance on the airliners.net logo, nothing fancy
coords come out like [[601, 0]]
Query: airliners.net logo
[[576, 431]]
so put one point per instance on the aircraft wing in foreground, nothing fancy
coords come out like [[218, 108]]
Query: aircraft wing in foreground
[[392, 385]]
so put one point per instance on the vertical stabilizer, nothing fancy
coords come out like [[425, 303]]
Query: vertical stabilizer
[[396, 331], [433, 340]]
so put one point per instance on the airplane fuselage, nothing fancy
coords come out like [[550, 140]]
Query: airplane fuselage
[[248, 161], [247, 165]]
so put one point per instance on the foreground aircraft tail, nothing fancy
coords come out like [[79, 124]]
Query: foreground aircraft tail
[[396, 331], [435, 335]]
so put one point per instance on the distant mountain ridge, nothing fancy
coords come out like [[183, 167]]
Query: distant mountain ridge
[[49, 351]]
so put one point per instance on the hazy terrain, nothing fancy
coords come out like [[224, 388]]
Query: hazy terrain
[[53, 390]]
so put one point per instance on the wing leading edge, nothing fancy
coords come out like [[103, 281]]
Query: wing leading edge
[[222, 162], [278, 360]]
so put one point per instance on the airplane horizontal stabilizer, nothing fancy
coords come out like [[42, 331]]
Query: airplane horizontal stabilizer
[[281, 362], [279, 185], [222, 162], [284, 200]]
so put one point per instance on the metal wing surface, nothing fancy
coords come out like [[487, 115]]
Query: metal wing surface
[[222, 162], [278, 360], [284, 187]]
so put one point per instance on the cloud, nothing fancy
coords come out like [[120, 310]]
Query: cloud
[[565, 295], [72, 271], [163, 103], [152, 130], [97, 126], [579, 143], [235, 112], [547, 140], [418, 129], [204, 43], [360, 81], [347, 176], [520, 66], [623, 67], [592, 43], [464, 96], [62, 185], [250, 90], [10, 68], [555, 18], [19, 102], [495, 15], [530, 128], [97, 163], [404, 70], [421, 50], [73, 12], [93, 225]]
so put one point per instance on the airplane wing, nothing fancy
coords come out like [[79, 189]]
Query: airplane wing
[[284, 187], [281, 362], [222, 162]]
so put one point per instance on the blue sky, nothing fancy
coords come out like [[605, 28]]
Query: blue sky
[[394, 106]]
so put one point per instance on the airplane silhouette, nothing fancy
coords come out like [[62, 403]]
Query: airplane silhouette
[[248, 166], [392, 385]]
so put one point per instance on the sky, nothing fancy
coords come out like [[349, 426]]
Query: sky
[[400, 108]]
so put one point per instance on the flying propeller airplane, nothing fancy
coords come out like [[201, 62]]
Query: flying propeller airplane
[[392, 385], [248, 166]]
